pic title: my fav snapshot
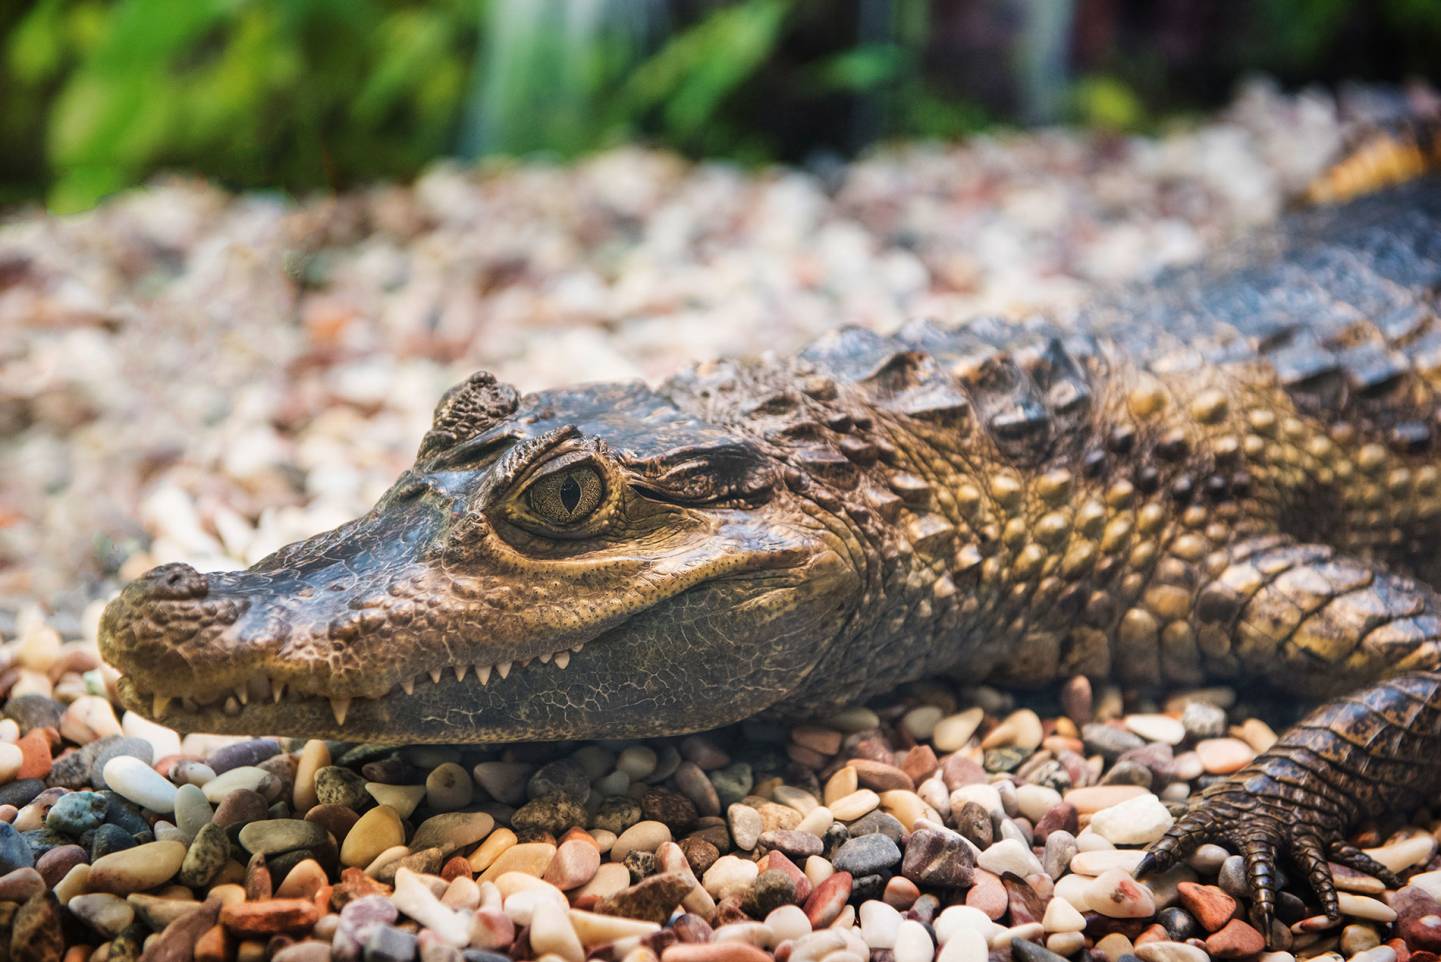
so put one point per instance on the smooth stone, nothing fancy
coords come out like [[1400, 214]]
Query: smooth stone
[[643, 836], [1223, 756], [1115, 894], [405, 799], [1136, 821], [450, 831], [913, 943], [879, 924], [1365, 907], [77, 813], [107, 914], [1157, 728], [245, 777], [192, 810], [1166, 951], [938, 858], [1010, 855], [15, 851], [866, 855], [206, 856], [136, 869], [575, 863], [448, 787], [250, 752], [953, 732], [1401, 855], [275, 835], [375, 831]]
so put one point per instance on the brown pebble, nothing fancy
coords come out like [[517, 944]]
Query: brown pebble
[[900, 893], [881, 777], [35, 747], [575, 863], [215, 945], [258, 883], [1210, 906], [779, 862], [828, 899], [700, 853], [714, 952], [270, 917], [36, 934], [920, 763], [1235, 940], [457, 867]]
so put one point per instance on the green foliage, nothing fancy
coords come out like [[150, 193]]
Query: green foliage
[[301, 94], [96, 95]]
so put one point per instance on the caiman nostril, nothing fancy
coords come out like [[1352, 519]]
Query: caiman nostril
[[175, 582]]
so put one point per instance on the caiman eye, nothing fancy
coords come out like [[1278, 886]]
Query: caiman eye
[[567, 496]]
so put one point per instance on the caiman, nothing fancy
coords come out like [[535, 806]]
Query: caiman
[[1228, 474]]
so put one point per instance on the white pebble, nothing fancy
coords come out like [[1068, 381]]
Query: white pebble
[[1399, 856], [1010, 855], [133, 779], [960, 918], [788, 922], [1061, 916], [913, 943], [921, 721], [414, 897], [1364, 907], [1157, 728], [880, 924], [964, 945], [1137, 821], [953, 732]]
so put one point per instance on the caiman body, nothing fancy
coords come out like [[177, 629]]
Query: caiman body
[[1229, 473]]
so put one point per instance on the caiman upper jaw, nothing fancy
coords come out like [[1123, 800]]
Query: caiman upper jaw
[[273, 705]]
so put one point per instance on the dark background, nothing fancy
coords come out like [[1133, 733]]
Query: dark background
[[300, 95]]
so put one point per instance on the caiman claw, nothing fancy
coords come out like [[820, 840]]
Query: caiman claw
[[1263, 817]]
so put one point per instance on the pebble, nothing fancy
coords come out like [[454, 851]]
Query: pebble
[[1222, 756], [913, 942], [137, 781], [1136, 821], [1116, 895], [1010, 855], [136, 869], [1157, 728], [377, 830]]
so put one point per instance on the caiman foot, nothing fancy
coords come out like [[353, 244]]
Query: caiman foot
[[1264, 813]]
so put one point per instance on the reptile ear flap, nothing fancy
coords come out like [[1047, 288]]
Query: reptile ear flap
[[471, 407]]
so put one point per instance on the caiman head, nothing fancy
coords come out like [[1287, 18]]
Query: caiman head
[[585, 563]]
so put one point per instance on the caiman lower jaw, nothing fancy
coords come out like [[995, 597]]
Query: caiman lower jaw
[[249, 704]]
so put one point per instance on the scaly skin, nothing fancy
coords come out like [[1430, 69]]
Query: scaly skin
[[1228, 474]]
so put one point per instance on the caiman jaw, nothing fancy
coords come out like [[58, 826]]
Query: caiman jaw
[[263, 696]]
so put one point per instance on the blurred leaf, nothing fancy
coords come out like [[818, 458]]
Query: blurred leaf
[[1108, 103], [690, 76], [863, 68], [36, 48]]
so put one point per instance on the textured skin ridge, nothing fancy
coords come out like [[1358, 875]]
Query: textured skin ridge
[[1231, 472]]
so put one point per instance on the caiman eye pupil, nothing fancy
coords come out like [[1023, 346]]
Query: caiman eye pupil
[[570, 493]]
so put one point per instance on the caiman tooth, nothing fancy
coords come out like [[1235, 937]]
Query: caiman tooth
[[483, 673], [231, 706], [408, 686], [503, 669], [545, 658], [562, 660], [278, 692], [525, 663], [578, 647], [340, 707], [241, 695], [435, 674], [160, 704], [460, 671]]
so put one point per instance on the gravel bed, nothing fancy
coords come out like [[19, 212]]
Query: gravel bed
[[190, 375]]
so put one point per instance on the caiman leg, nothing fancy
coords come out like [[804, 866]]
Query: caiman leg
[[1306, 619]]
